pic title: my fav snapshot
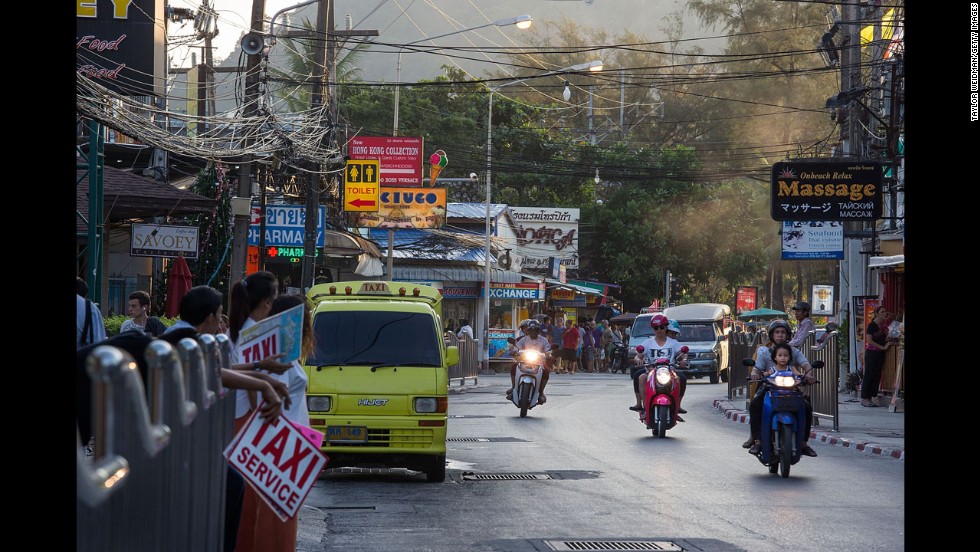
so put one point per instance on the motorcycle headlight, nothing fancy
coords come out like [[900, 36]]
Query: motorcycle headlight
[[784, 381], [318, 404], [663, 376], [531, 356]]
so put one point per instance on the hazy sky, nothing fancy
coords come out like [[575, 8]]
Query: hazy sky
[[411, 21]]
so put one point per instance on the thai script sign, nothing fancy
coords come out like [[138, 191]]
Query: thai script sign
[[285, 226], [546, 232], [745, 298]]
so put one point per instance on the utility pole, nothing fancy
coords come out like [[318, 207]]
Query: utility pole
[[324, 23], [240, 234], [852, 272], [325, 63]]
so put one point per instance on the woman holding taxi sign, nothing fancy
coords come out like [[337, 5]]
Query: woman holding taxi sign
[[252, 300]]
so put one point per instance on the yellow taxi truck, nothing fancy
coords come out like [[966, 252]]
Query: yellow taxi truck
[[379, 375]]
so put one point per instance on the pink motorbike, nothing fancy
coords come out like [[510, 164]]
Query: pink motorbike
[[661, 395]]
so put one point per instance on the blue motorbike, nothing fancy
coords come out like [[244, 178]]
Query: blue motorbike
[[783, 419]]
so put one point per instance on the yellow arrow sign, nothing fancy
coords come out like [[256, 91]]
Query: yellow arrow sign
[[361, 185]]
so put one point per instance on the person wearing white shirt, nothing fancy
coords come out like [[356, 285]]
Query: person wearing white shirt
[[466, 330]]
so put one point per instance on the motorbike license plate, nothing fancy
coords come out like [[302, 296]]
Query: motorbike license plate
[[346, 434]]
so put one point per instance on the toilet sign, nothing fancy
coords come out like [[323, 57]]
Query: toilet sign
[[361, 189]]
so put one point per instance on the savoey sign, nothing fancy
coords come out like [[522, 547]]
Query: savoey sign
[[158, 240]]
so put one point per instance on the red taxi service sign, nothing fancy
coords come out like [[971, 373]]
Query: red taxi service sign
[[279, 460]]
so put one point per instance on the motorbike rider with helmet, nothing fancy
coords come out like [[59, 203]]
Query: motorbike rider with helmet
[[779, 332], [659, 345], [532, 339]]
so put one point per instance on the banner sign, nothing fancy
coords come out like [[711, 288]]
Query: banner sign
[[546, 232], [158, 240], [813, 240], [497, 343], [822, 300], [460, 292], [516, 291], [279, 459], [858, 319], [120, 45], [406, 208], [285, 226], [562, 294], [400, 157], [279, 333], [746, 298], [814, 190]]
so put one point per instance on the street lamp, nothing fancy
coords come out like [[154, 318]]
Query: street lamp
[[520, 21], [592, 66]]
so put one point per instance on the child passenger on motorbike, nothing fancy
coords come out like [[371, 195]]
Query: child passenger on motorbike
[[531, 340], [779, 331], [660, 345], [673, 332]]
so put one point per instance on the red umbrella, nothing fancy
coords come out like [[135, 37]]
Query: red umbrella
[[178, 283]]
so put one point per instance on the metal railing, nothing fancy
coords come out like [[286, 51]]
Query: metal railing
[[823, 395], [469, 359], [157, 479]]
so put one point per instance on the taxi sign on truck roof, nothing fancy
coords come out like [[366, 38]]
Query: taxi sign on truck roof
[[374, 289]]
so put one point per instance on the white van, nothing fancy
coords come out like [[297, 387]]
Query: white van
[[702, 330]]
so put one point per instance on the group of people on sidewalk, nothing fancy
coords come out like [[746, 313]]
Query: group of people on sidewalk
[[251, 525]]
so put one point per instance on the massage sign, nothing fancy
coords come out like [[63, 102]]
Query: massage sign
[[824, 191]]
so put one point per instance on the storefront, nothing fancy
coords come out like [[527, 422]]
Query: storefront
[[509, 304], [570, 301]]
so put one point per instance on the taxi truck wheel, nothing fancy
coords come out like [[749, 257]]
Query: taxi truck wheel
[[436, 472]]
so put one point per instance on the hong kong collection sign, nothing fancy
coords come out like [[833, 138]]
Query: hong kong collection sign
[[825, 191]]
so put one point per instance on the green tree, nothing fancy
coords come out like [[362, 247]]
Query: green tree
[[215, 230]]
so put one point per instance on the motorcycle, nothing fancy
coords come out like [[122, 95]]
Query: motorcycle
[[661, 395], [783, 419], [527, 383], [618, 358]]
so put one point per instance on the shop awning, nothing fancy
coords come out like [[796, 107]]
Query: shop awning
[[442, 273], [580, 289], [889, 260], [346, 244]]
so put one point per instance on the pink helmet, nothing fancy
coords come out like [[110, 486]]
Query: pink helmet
[[658, 320]]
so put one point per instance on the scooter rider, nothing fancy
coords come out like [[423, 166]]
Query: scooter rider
[[657, 346], [531, 340], [779, 332]]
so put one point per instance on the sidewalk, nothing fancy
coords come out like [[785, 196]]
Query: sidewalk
[[867, 430], [874, 431]]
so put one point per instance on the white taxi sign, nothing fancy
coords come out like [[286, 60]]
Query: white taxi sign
[[375, 288]]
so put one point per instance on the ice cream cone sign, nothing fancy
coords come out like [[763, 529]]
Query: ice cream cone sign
[[437, 161]]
